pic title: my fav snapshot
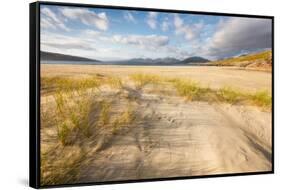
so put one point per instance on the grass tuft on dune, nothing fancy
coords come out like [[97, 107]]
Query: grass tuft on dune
[[79, 114], [193, 91], [142, 80]]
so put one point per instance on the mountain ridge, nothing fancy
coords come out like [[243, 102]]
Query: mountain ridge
[[164, 61], [50, 56], [194, 60]]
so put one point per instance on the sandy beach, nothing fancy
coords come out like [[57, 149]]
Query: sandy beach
[[169, 136], [213, 76]]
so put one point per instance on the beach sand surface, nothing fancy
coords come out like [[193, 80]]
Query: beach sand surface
[[173, 137]]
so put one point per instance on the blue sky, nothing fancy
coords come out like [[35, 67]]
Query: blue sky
[[108, 34]]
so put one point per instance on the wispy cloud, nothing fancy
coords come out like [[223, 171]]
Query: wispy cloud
[[165, 25], [92, 34], [152, 20], [64, 42], [190, 32], [143, 41], [95, 44], [129, 17], [87, 17], [50, 20]]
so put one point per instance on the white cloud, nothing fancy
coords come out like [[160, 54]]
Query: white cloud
[[152, 20], [91, 33], [165, 25], [129, 17], [143, 41], [190, 32], [176, 52], [97, 45], [65, 42], [178, 22], [95, 36], [236, 35], [50, 20], [87, 17]]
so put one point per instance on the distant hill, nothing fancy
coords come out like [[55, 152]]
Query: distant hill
[[149, 61], [49, 56], [195, 59], [260, 61], [163, 61]]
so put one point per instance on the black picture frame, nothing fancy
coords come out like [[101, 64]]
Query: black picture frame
[[34, 92]]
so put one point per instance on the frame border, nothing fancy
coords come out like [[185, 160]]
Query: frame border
[[34, 93]]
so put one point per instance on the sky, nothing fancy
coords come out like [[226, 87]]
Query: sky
[[110, 34]]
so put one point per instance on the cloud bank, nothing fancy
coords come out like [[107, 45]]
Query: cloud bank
[[239, 34]]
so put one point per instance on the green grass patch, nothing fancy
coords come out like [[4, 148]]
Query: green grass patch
[[262, 98], [141, 80], [193, 91], [123, 120], [115, 82], [80, 115], [189, 89], [53, 84], [105, 113], [61, 166], [230, 95]]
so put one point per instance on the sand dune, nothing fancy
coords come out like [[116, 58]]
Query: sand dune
[[175, 138], [171, 136]]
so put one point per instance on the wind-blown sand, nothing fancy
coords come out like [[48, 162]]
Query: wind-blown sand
[[173, 137]]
